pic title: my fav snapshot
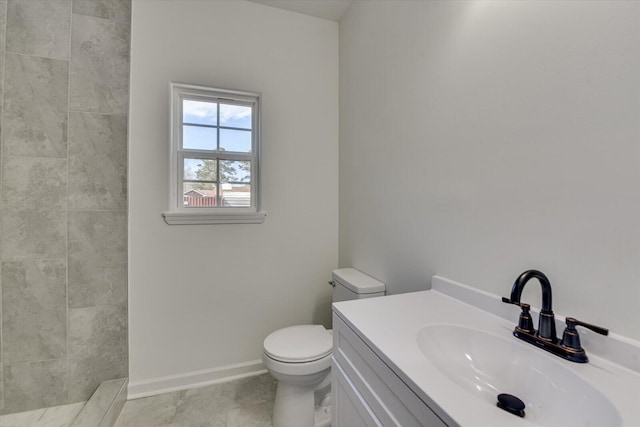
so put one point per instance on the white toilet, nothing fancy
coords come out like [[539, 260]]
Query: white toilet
[[299, 357]]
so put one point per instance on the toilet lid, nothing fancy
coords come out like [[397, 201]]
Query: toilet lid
[[297, 344]]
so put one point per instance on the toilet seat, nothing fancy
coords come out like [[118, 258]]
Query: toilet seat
[[296, 371], [299, 344]]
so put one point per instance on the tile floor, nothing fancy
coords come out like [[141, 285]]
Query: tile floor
[[247, 402]]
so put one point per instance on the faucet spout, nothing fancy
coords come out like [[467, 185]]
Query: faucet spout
[[546, 321], [518, 286]]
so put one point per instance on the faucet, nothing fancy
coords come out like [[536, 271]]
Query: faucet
[[545, 337], [546, 320]]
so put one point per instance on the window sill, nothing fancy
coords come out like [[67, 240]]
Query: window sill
[[195, 218]]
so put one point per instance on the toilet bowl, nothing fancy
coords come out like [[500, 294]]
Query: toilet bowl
[[299, 357]]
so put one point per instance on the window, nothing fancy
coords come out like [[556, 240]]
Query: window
[[215, 155]]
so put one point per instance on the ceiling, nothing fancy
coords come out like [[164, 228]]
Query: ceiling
[[326, 9]]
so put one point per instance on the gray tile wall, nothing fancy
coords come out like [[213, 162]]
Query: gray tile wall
[[64, 91]]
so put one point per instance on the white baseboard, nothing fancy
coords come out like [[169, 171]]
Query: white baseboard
[[194, 379]]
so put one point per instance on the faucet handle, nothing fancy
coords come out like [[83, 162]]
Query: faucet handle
[[508, 301], [573, 322], [525, 323], [571, 339]]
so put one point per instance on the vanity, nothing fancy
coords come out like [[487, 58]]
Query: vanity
[[367, 392], [441, 357]]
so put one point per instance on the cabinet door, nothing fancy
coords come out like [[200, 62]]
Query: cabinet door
[[349, 409]]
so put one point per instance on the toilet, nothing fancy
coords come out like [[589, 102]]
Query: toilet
[[299, 357]]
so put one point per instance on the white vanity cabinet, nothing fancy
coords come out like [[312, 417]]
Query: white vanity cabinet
[[413, 359], [367, 392]]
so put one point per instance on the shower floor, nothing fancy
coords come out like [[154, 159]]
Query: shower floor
[[240, 403], [101, 410], [57, 416]]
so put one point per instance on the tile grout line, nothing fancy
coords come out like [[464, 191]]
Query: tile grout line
[[31, 55], [67, 197], [97, 113], [2, 133]]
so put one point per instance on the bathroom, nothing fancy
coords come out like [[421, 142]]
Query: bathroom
[[472, 139]]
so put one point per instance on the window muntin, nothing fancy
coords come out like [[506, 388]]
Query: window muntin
[[215, 150]]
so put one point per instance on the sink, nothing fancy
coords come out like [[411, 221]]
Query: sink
[[485, 365]]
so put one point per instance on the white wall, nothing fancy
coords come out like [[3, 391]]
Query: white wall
[[480, 139], [204, 297]]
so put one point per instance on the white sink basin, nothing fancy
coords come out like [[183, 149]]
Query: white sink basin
[[486, 365]]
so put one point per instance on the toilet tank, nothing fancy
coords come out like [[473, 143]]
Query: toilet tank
[[349, 283]]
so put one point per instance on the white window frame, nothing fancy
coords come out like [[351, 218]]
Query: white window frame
[[180, 215]]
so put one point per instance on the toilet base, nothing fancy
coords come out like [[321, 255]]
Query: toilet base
[[295, 407], [322, 416]]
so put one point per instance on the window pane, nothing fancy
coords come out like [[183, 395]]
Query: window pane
[[236, 116], [235, 140], [235, 171], [202, 113], [235, 195], [200, 169], [199, 195], [199, 138]]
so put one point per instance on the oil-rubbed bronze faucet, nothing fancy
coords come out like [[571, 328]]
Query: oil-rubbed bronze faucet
[[546, 321], [545, 337]]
